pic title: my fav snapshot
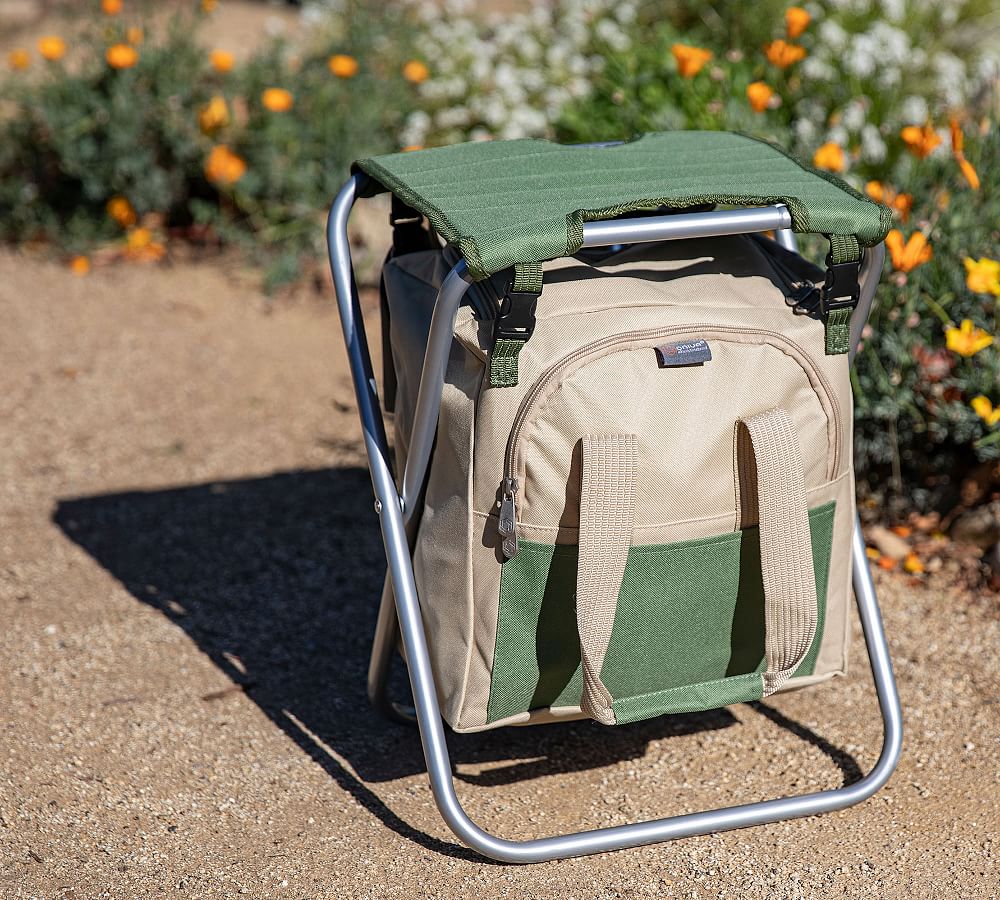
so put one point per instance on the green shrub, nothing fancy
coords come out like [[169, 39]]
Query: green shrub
[[81, 132]]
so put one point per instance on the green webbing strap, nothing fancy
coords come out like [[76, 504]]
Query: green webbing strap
[[503, 362], [844, 248], [503, 359], [528, 278], [838, 331]]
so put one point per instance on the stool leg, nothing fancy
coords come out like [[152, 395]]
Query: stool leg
[[383, 648]]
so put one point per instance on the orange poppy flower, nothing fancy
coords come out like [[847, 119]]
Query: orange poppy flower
[[209, 5], [111, 7], [920, 140], [880, 193], [121, 56], [134, 35], [907, 256], [19, 59], [759, 95], [141, 247], [783, 54], [221, 60], [224, 167], [876, 191], [690, 60], [415, 71], [213, 115], [796, 21], [343, 66], [119, 209], [830, 157], [968, 171], [79, 265], [52, 47], [277, 99]]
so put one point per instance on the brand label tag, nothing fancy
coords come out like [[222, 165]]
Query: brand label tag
[[683, 353]]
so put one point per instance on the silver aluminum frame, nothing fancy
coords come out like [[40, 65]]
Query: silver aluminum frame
[[396, 518]]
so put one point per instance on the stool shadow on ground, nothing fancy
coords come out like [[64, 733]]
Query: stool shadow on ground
[[277, 580]]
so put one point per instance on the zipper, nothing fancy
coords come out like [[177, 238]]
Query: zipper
[[507, 525]]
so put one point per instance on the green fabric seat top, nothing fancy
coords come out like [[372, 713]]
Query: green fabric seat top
[[504, 203]]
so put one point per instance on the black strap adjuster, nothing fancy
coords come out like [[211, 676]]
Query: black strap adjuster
[[516, 321], [842, 288]]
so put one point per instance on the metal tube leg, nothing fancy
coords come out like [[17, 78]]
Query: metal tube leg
[[383, 648], [389, 508]]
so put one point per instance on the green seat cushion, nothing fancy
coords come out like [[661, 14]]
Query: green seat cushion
[[504, 203]]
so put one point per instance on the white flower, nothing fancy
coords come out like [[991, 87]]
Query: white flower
[[914, 110], [872, 146], [854, 115], [832, 35]]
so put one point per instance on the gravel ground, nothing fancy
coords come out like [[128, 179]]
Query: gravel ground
[[188, 569]]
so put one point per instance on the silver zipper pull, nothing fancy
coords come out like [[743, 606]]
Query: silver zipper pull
[[508, 517]]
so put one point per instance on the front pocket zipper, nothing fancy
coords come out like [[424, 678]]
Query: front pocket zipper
[[507, 524]]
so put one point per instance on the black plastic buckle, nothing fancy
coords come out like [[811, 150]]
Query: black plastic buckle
[[842, 288], [516, 320]]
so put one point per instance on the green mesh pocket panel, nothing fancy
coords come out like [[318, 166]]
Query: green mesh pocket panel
[[688, 632]]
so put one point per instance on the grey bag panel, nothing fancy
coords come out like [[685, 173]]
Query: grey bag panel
[[411, 284]]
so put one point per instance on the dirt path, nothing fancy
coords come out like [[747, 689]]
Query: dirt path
[[188, 567]]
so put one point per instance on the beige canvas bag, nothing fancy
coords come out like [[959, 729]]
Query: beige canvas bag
[[656, 517]]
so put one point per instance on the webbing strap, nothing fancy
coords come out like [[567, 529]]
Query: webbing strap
[[503, 359], [607, 507], [768, 453], [503, 362], [772, 496], [844, 249], [838, 331], [528, 278]]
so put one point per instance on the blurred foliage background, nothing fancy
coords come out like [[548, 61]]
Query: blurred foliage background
[[128, 130]]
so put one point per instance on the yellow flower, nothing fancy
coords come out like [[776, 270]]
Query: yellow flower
[[111, 7], [415, 71], [342, 65], [967, 340], [213, 115], [982, 277], [119, 209], [277, 99], [79, 265], [223, 166], [209, 5], [984, 409], [796, 21], [920, 140], [134, 35], [19, 59], [140, 246], [830, 157], [121, 56], [52, 47], [912, 564], [759, 95], [907, 256], [783, 54], [690, 60], [221, 60]]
